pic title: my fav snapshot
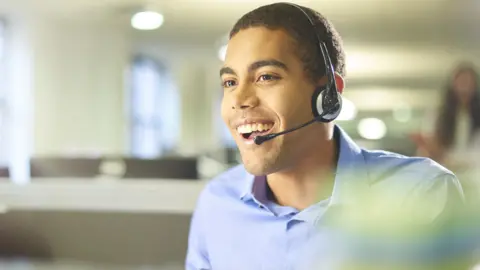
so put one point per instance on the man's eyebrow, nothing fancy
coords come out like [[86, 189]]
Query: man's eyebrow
[[268, 62], [256, 65], [227, 70]]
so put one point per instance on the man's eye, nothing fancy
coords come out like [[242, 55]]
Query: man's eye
[[267, 77], [228, 83]]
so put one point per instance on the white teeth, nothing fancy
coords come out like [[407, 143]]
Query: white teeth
[[249, 128]]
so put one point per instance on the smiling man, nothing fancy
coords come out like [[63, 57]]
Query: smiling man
[[270, 212]]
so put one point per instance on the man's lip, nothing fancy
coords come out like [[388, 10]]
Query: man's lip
[[250, 140], [252, 121]]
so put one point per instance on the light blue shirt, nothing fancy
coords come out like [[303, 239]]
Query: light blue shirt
[[236, 227]]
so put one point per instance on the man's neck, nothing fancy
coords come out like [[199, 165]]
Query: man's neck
[[309, 182]]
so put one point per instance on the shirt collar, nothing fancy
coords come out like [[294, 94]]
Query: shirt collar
[[350, 165], [247, 189]]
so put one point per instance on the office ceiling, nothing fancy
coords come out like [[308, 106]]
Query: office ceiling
[[445, 21], [403, 37]]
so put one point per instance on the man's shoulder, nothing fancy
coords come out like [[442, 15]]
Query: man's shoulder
[[410, 177], [418, 182], [385, 166]]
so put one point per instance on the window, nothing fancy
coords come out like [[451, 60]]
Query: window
[[154, 109], [3, 99]]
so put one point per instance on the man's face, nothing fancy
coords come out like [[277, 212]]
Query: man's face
[[266, 91]]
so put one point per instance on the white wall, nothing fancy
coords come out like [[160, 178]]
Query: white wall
[[79, 85]]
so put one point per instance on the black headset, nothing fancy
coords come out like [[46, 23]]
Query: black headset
[[326, 101]]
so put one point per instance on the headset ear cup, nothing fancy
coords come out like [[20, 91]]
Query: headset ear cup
[[317, 102], [336, 109], [331, 108]]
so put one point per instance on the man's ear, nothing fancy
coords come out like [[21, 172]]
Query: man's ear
[[340, 83]]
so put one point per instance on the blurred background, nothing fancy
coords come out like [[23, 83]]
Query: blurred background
[[110, 123]]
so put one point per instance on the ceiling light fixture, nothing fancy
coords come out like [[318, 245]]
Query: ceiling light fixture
[[372, 128], [147, 20]]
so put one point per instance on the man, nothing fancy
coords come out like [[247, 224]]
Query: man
[[269, 213]]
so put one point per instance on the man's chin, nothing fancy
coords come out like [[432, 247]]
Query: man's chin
[[254, 166], [255, 171], [258, 166]]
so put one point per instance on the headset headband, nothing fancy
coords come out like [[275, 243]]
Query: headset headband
[[329, 70]]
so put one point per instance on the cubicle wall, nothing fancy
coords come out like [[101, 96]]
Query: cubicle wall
[[125, 224], [120, 167], [126, 213], [115, 238]]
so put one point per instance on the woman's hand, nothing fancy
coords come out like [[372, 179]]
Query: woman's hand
[[428, 146]]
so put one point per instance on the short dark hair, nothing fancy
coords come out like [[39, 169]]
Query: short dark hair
[[286, 17]]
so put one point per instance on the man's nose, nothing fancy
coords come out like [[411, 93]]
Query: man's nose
[[245, 97]]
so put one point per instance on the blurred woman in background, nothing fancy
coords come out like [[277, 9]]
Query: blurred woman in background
[[454, 140]]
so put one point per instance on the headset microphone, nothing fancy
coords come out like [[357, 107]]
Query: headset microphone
[[261, 139]]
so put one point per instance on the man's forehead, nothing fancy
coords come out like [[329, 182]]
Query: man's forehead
[[259, 42]]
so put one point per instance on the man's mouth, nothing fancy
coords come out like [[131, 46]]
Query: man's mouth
[[250, 131]]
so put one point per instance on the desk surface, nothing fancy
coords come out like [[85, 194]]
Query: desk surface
[[158, 196]]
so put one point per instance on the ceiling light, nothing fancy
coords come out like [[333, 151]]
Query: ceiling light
[[222, 52], [147, 20], [372, 128], [348, 112]]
